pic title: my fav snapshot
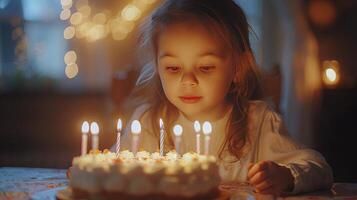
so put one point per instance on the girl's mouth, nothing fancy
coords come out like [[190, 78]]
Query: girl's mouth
[[190, 99]]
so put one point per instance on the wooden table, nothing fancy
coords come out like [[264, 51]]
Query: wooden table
[[37, 183]]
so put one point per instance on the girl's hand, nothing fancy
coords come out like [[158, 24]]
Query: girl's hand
[[267, 177]]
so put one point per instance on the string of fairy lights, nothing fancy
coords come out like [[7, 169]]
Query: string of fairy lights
[[85, 24]]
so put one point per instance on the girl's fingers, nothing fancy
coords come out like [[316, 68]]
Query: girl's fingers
[[259, 177], [256, 168], [269, 190], [263, 186]]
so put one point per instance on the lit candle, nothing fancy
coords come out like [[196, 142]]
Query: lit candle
[[197, 127], [207, 130], [162, 137], [94, 129], [85, 131], [119, 128], [135, 130], [177, 132]]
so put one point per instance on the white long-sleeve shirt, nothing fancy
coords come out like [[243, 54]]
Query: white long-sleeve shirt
[[270, 141]]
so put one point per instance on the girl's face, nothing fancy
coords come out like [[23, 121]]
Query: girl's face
[[195, 69]]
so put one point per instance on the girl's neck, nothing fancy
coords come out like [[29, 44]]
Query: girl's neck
[[212, 115]]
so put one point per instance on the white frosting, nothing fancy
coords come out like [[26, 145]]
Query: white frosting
[[145, 173]]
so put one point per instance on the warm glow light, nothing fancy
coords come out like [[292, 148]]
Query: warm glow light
[[85, 10], [100, 18], [119, 125], [70, 57], [83, 29], [119, 36], [94, 128], [161, 124], [81, 4], [131, 12], [145, 2], [96, 32], [119, 25], [76, 18], [71, 70], [85, 127], [331, 74], [197, 126], [66, 4], [135, 127], [69, 32], [65, 14], [207, 128], [149, 1], [177, 130]]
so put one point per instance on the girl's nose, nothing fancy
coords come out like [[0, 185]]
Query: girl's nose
[[189, 79]]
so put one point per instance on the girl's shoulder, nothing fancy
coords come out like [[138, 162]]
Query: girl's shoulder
[[260, 107], [260, 112], [140, 111]]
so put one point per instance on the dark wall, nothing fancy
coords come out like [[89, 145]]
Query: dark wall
[[44, 130], [334, 24]]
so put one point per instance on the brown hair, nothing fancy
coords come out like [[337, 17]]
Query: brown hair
[[227, 19]]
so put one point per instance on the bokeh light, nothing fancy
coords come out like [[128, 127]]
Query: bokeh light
[[130, 13], [69, 32], [71, 70]]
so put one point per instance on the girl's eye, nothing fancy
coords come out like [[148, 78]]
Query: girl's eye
[[206, 68], [173, 69]]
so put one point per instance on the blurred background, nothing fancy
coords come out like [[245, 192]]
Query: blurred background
[[66, 61]]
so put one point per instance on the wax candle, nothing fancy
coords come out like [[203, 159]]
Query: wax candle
[[94, 129], [177, 132], [162, 137], [207, 130], [119, 128], [197, 127], [135, 130], [85, 131]]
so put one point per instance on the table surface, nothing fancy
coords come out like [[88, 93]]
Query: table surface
[[39, 183]]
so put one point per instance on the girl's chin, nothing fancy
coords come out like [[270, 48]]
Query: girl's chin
[[193, 115], [202, 114]]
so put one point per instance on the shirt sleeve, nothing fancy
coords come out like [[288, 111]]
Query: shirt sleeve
[[308, 167]]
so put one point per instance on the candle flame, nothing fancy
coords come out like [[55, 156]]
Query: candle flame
[[85, 127], [197, 126], [135, 127], [119, 125], [177, 130], [94, 128], [207, 128], [161, 124]]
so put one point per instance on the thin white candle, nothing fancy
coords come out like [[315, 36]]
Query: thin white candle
[[119, 128], [162, 137], [94, 129], [85, 131], [177, 132], [207, 130], [135, 130], [197, 127]]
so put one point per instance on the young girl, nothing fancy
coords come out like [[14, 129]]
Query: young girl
[[201, 67]]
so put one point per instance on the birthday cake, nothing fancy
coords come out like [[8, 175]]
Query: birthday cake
[[144, 175]]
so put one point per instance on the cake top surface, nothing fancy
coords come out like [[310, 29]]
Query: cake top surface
[[150, 162]]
